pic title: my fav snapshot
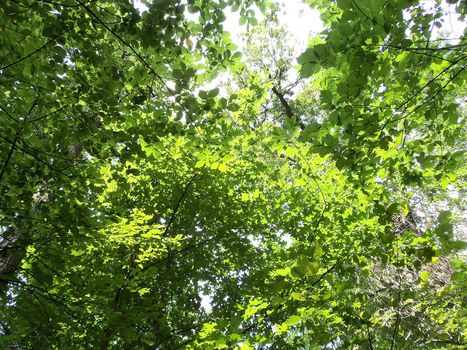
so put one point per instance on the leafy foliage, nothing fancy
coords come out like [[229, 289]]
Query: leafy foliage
[[130, 191]]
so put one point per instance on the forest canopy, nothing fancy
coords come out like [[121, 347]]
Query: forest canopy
[[162, 188]]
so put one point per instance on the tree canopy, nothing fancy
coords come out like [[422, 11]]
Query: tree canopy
[[145, 204]]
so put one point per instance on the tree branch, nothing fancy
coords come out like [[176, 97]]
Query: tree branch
[[177, 206], [284, 103]]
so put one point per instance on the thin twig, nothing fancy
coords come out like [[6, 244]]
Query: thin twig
[[8, 114], [396, 323], [48, 42], [48, 114], [10, 153]]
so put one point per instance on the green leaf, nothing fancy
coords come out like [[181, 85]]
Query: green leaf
[[424, 276], [406, 43], [237, 56], [312, 268], [344, 4], [326, 96], [317, 252], [213, 93], [233, 107], [298, 296], [283, 272]]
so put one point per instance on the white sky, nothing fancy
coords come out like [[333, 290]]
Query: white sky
[[297, 17], [302, 21]]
